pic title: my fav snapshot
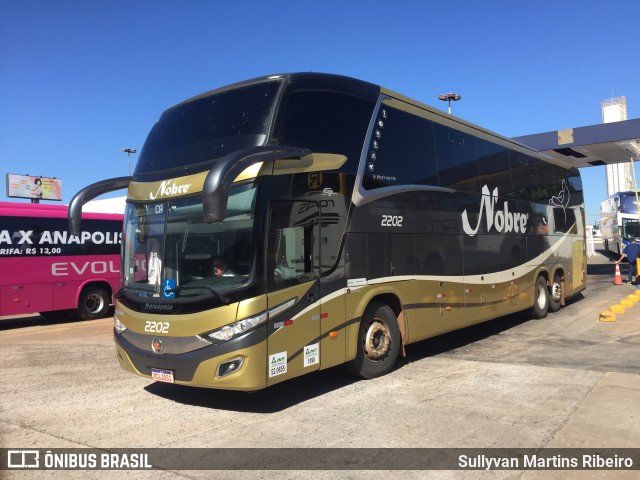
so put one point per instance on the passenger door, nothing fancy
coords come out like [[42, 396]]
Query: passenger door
[[293, 344]]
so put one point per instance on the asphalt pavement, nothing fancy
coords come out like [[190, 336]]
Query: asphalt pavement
[[566, 381]]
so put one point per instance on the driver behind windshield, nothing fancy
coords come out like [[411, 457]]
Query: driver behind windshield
[[220, 269]]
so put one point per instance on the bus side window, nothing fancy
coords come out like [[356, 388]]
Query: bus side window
[[456, 158]]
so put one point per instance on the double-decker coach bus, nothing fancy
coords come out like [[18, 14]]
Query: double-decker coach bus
[[44, 269], [351, 221], [619, 220]]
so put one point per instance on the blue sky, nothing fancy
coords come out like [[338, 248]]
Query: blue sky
[[81, 80]]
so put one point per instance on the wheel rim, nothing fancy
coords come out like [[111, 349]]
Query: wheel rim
[[542, 297], [556, 291], [377, 340], [94, 303]]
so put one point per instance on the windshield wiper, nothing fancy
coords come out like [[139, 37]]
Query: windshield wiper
[[200, 287], [125, 288]]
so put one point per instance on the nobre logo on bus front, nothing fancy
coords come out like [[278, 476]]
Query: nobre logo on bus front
[[167, 188], [503, 220]]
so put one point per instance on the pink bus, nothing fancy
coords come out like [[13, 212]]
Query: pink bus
[[44, 269]]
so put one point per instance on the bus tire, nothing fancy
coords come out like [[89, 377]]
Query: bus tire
[[540, 298], [378, 342], [555, 294], [94, 303]]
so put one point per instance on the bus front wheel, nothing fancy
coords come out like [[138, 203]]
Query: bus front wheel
[[94, 303], [378, 342], [540, 298]]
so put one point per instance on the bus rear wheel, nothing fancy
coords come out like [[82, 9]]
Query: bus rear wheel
[[540, 298], [378, 342], [94, 303], [555, 294]]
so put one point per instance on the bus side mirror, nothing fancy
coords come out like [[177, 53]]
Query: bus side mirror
[[89, 193], [215, 191]]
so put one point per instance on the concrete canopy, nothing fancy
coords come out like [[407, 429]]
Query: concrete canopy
[[594, 145]]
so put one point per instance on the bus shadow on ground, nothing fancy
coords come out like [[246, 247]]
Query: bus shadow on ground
[[450, 343], [54, 318], [601, 269], [270, 400], [297, 390]]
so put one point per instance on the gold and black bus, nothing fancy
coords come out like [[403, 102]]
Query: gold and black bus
[[296, 222]]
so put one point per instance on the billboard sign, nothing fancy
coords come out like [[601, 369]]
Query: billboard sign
[[34, 187]]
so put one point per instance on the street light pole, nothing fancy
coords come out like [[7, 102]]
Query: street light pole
[[129, 152], [450, 97]]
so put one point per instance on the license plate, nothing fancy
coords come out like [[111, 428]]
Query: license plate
[[160, 375]]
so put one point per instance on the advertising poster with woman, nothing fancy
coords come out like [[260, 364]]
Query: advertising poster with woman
[[34, 187]]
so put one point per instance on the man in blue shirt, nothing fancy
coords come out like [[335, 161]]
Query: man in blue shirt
[[631, 251]]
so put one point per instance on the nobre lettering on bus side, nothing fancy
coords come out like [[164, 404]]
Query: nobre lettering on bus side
[[167, 188], [62, 269], [503, 220]]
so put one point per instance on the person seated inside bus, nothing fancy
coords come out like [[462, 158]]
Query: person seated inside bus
[[221, 269]]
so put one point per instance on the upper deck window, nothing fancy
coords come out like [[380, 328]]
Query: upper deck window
[[209, 127], [401, 151], [327, 122]]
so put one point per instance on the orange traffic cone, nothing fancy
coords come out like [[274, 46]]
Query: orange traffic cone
[[618, 278]]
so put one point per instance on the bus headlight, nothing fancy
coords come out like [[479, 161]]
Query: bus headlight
[[235, 329]]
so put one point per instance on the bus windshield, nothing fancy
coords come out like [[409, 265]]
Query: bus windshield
[[630, 228], [209, 127], [169, 251]]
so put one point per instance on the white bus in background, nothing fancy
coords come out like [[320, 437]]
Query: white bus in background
[[619, 220]]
